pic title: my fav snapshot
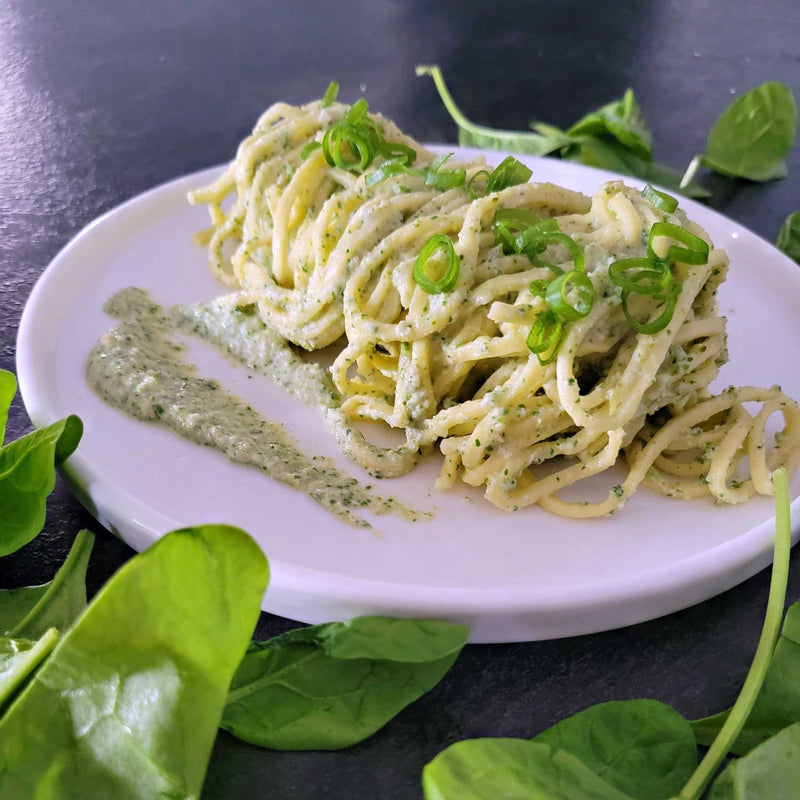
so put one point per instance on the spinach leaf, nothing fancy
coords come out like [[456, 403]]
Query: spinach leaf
[[610, 155], [333, 685], [27, 476], [19, 658], [642, 747], [769, 772], [516, 769], [472, 135], [32, 610], [615, 137], [128, 703], [8, 387], [623, 119], [753, 136], [789, 236], [778, 702]]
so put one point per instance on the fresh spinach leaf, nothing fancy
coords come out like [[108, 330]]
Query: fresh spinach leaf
[[128, 703], [789, 236], [8, 387], [615, 137], [644, 748], [769, 772], [333, 685], [472, 135], [623, 119], [517, 769], [753, 136], [778, 703], [19, 658], [27, 476], [410, 641], [610, 155], [32, 610]]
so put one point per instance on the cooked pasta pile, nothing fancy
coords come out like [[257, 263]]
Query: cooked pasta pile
[[330, 255]]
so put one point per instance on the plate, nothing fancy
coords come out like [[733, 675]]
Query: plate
[[510, 577]]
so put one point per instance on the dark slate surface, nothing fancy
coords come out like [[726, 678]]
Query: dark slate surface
[[99, 101]]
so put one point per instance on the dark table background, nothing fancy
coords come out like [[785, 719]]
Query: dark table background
[[101, 100]]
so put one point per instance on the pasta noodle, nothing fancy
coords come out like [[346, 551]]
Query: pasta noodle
[[326, 256]]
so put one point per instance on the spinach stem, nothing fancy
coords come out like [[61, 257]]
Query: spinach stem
[[458, 117], [769, 635]]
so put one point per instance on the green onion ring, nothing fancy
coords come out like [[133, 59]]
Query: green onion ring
[[577, 282], [660, 200], [309, 148], [331, 93], [657, 325], [545, 336], [445, 284], [695, 252], [472, 192], [332, 143], [651, 277], [396, 150], [509, 172]]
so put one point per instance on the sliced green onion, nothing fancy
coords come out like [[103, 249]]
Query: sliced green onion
[[536, 239], [539, 287], [339, 139], [517, 219], [331, 93], [655, 326], [545, 336], [309, 148], [509, 172], [571, 295], [390, 169], [438, 245], [640, 275], [478, 192], [395, 150], [356, 112], [659, 200], [695, 252], [446, 178]]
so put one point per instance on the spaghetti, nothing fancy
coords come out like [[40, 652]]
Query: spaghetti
[[528, 384]]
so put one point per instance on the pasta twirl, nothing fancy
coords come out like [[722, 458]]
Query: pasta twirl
[[326, 256]]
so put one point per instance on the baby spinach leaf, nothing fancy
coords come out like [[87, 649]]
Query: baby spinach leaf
[[472, 135], [769, 772], [331, 686], [642, 747], [623, 119], [8, 386], [128, 703], [789, 236], [19, 658], [15, 604], [753, 136], [411, 641], [610, 155], [30, 611], [488, 769], [778, 702], [27, 476]]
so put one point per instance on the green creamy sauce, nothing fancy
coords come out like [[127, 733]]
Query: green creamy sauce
[[139, 369]]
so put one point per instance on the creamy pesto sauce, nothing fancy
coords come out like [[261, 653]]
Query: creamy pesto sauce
[[138, 368]]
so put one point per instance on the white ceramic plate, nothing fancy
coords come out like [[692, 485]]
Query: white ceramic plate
[[510, 577]]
